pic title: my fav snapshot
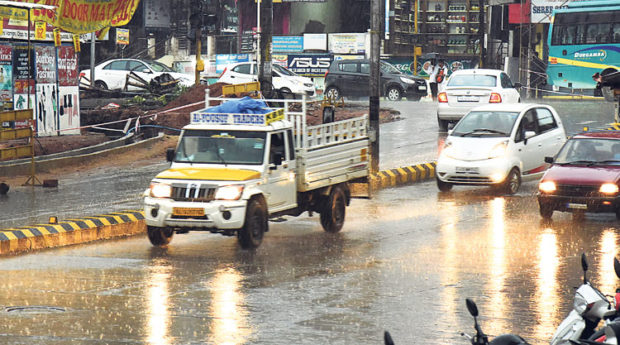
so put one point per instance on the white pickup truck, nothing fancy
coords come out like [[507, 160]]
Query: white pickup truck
[[231, 172]]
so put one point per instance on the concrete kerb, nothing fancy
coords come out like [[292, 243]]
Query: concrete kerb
[[403, 176], [72, 231]]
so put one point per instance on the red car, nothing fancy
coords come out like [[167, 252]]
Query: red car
[[584, 176]]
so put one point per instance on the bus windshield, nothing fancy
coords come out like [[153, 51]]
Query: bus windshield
[[583, 40]]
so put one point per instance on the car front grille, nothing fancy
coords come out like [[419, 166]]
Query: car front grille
[[193, 192], [576, 190], [469, 179]]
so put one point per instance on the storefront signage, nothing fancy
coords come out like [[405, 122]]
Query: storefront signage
[[122, 36], [6, 73], [310, 65], [347, 43], [315, 42], [21, 69], [287, 44], [541, 10], [223, 60]]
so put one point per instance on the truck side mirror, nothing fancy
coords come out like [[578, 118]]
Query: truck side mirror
[[169, 155]]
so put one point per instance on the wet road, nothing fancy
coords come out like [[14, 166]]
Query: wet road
[[405, 261]]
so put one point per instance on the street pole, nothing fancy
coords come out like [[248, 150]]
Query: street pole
[[266, 31], [92, 59], [199, 62], [375, 75]]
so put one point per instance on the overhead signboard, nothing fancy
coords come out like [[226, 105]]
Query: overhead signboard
[[122, 36]]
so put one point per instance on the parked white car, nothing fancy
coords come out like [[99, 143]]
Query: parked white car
[[112, 74], [469, 88], [283, 79], [500, 145]]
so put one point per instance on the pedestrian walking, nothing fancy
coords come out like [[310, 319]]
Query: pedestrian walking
[[439, 73]]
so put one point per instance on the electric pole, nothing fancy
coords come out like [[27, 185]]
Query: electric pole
[[265, 32], [375, 75]]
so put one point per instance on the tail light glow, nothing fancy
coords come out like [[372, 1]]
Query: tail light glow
[[495, 98], [442, 97]]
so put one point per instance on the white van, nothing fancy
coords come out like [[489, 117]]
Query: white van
[[283, 79]]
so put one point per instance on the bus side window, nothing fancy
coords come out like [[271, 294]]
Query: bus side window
[[616, 33]]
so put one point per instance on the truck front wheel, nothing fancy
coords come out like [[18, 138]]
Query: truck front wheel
[[159, 236], [332, 215], [251, 235]]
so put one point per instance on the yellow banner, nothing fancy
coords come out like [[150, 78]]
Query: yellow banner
[[13, 13], [1, 27], [57, 41], [76, 43], [83, 16], [40, 29], [77, 16]]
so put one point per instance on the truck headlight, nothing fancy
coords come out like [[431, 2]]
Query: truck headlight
[[609, 188], [232, 192], [160, 190]]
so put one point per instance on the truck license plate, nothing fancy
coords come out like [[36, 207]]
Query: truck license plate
[[188, 211], [577, 206]]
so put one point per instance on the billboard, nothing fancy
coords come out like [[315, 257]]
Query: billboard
[[347, 43]]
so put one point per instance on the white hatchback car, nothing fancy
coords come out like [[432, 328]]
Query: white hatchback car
[[500, 145], [112, 74], [283, 79], [469, 88]]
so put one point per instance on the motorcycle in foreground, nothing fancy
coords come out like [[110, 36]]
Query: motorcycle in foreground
[[590, 306], [479, 338]]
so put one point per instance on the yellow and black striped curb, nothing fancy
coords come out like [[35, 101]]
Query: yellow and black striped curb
[[72, 231], [402, 176]]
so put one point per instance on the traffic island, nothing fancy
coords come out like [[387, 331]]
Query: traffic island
[[72, 231]]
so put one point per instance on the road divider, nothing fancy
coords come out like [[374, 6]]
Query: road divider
[[131, 222], [403, 175], [71, 231]]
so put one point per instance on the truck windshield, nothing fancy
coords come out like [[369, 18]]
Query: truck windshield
[[221, 147]]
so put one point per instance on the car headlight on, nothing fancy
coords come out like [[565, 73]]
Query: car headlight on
[[407, 80], [609, 188], [232, 192], [498, 150], [160, 190], [580, 304], [547, 186]]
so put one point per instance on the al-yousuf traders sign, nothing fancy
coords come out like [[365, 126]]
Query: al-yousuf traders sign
[[81, 16]]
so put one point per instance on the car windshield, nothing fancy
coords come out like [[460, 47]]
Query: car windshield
[[483, 80], [159, 67], [221, 147], [387, 68], [486, 123], [590, 150], [283, 70]]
